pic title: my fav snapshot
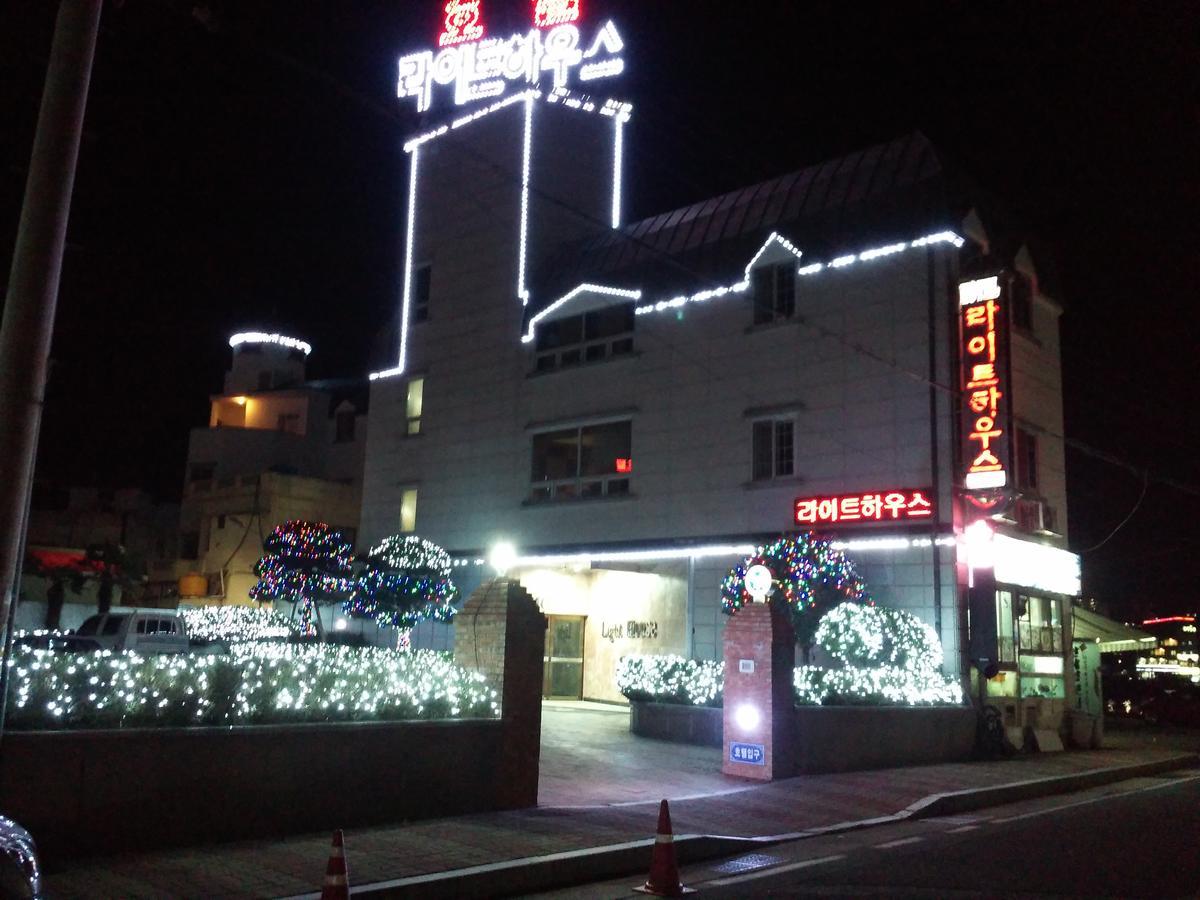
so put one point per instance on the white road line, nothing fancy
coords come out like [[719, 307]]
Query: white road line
[[962, 829], [1043, 812], [899, 843], [776, 870]]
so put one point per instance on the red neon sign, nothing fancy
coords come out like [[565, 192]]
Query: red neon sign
[[547, 13], [1169, 619], [984, 382], [882, 506], [464, 22], [624, 466]]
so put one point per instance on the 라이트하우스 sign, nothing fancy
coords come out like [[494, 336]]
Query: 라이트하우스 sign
[[902, 505], [555, 51], [983, 344]]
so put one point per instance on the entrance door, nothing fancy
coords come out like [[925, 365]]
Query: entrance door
[[563, 671]]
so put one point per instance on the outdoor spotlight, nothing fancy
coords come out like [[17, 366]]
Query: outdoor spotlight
[[978, 540], [747, 717], [503, 556], [340, 624]]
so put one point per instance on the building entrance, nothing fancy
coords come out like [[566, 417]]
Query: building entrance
[[563, 678]]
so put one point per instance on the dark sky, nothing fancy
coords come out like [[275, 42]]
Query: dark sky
[[242, 166]]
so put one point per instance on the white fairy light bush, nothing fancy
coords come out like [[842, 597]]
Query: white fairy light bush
[[237, 623], [257, 683], [671, 679]]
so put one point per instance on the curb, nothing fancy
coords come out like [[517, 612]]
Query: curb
[[556, 870]]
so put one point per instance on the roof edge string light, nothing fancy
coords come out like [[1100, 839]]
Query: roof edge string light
[[261, 337], [408, 271], [584, 288]]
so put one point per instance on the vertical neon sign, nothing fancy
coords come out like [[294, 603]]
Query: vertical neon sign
[[983, 344]]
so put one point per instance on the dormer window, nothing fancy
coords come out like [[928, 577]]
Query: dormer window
[[774, 291], [589, 337]]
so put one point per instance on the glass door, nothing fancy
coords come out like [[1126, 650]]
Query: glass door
[[563, 662]]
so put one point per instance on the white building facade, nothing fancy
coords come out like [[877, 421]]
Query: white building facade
[[635, 407]]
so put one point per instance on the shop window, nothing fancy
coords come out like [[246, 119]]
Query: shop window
[[773, 449], [1006, 640], [590, 337], [344, 426], [422, 279], [582, 463], [1021, 298], [1027, 460], [414, 405], [1040, 624], [774, 290], [408, 510]]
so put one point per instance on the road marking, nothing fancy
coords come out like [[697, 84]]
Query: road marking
[[1042, 812], [777, 870], [962, 829], [900, 843]]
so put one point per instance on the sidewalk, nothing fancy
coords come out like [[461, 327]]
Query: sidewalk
[[295, 865]]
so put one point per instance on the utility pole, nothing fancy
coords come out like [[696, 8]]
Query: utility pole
[[28, 322]]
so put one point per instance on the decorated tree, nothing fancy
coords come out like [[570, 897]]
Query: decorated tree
[[305, 563], [808, 577], [406, 580]]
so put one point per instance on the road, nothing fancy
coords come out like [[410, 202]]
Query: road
[[1138, 838]]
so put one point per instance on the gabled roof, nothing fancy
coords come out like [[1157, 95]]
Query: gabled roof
[[890, 191]]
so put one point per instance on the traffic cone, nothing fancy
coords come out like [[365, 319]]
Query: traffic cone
[[664, 870], [337, 877]]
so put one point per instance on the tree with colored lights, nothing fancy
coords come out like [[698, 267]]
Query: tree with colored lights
[[406, 580], [809, 577], [305, 563]]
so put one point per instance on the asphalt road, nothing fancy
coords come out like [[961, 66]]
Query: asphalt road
[[1138, 838]]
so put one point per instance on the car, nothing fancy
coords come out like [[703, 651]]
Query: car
[[143, 630], [20, 871]]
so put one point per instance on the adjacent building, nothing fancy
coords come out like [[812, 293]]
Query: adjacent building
[[635, 406]]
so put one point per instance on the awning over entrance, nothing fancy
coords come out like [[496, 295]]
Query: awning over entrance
[[1113, 637]]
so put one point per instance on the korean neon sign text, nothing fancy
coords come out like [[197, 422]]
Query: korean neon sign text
[[882, 506], [464, 22], [547, 13], [984, 370]]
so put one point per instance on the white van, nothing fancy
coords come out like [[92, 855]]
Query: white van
[[143, 630]]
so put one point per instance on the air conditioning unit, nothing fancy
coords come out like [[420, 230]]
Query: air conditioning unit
[[1035, 516]]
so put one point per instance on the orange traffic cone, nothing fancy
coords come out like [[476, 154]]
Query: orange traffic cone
[[337, 877], [664, 871]]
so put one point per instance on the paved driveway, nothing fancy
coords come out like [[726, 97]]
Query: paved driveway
[[589, 758]]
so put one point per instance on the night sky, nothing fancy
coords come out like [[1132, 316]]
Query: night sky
[[242, 167]]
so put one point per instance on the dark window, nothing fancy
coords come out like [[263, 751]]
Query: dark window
[[202, 471], [113, 624], [774, 449], [589, 337], [774, 290], [1027, 460], [422, 278], [1021, 298], [220, 522], [591, 461], [344, 426]]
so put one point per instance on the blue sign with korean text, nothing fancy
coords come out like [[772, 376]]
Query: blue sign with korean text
[[750, 754]]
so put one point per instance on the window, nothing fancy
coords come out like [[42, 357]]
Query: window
[[422, 278], [203, 471], [344, 426], [1027, 460], [591, 337], [289, 422], [773, 448], [1039, 619], [774, 290], [586, 462], [1007, 645], [113, 624], [414, 404], [408, 510], [1021, 292]]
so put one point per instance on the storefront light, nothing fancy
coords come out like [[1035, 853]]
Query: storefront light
[[503, 556]]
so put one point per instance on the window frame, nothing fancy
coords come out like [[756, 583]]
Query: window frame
[[412, 426], [422, 289], [580, 486], [776, 424], [781, 306], [588, 348]]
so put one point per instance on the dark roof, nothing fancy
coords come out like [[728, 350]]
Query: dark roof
[[889, 192]]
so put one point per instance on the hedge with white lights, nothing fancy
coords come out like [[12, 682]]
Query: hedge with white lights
[[257, 683], [887, 656], [237, 623]]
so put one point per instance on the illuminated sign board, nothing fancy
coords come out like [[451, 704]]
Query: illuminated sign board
[[906, 505], [557, 50], [983, 345]]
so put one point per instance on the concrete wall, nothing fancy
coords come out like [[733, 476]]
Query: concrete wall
[[88, 791]]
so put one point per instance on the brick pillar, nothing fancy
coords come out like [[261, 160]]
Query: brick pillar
[[760, 656], [502, 633]]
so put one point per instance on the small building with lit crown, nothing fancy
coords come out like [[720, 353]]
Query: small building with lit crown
[[848, 348]]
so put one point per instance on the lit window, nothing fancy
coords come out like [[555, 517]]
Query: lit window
[[1040, 624], [408, 510], [1004, 627], [587, 462], [414, 404], [422, 278], [590, 337], [774, 449], [774, 291]]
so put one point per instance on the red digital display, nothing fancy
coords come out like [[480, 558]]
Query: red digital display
[[984, 353], [903, 505], [547, 13], [624, 466], [464, 22]]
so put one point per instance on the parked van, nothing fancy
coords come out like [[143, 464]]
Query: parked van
[[143, 630]]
